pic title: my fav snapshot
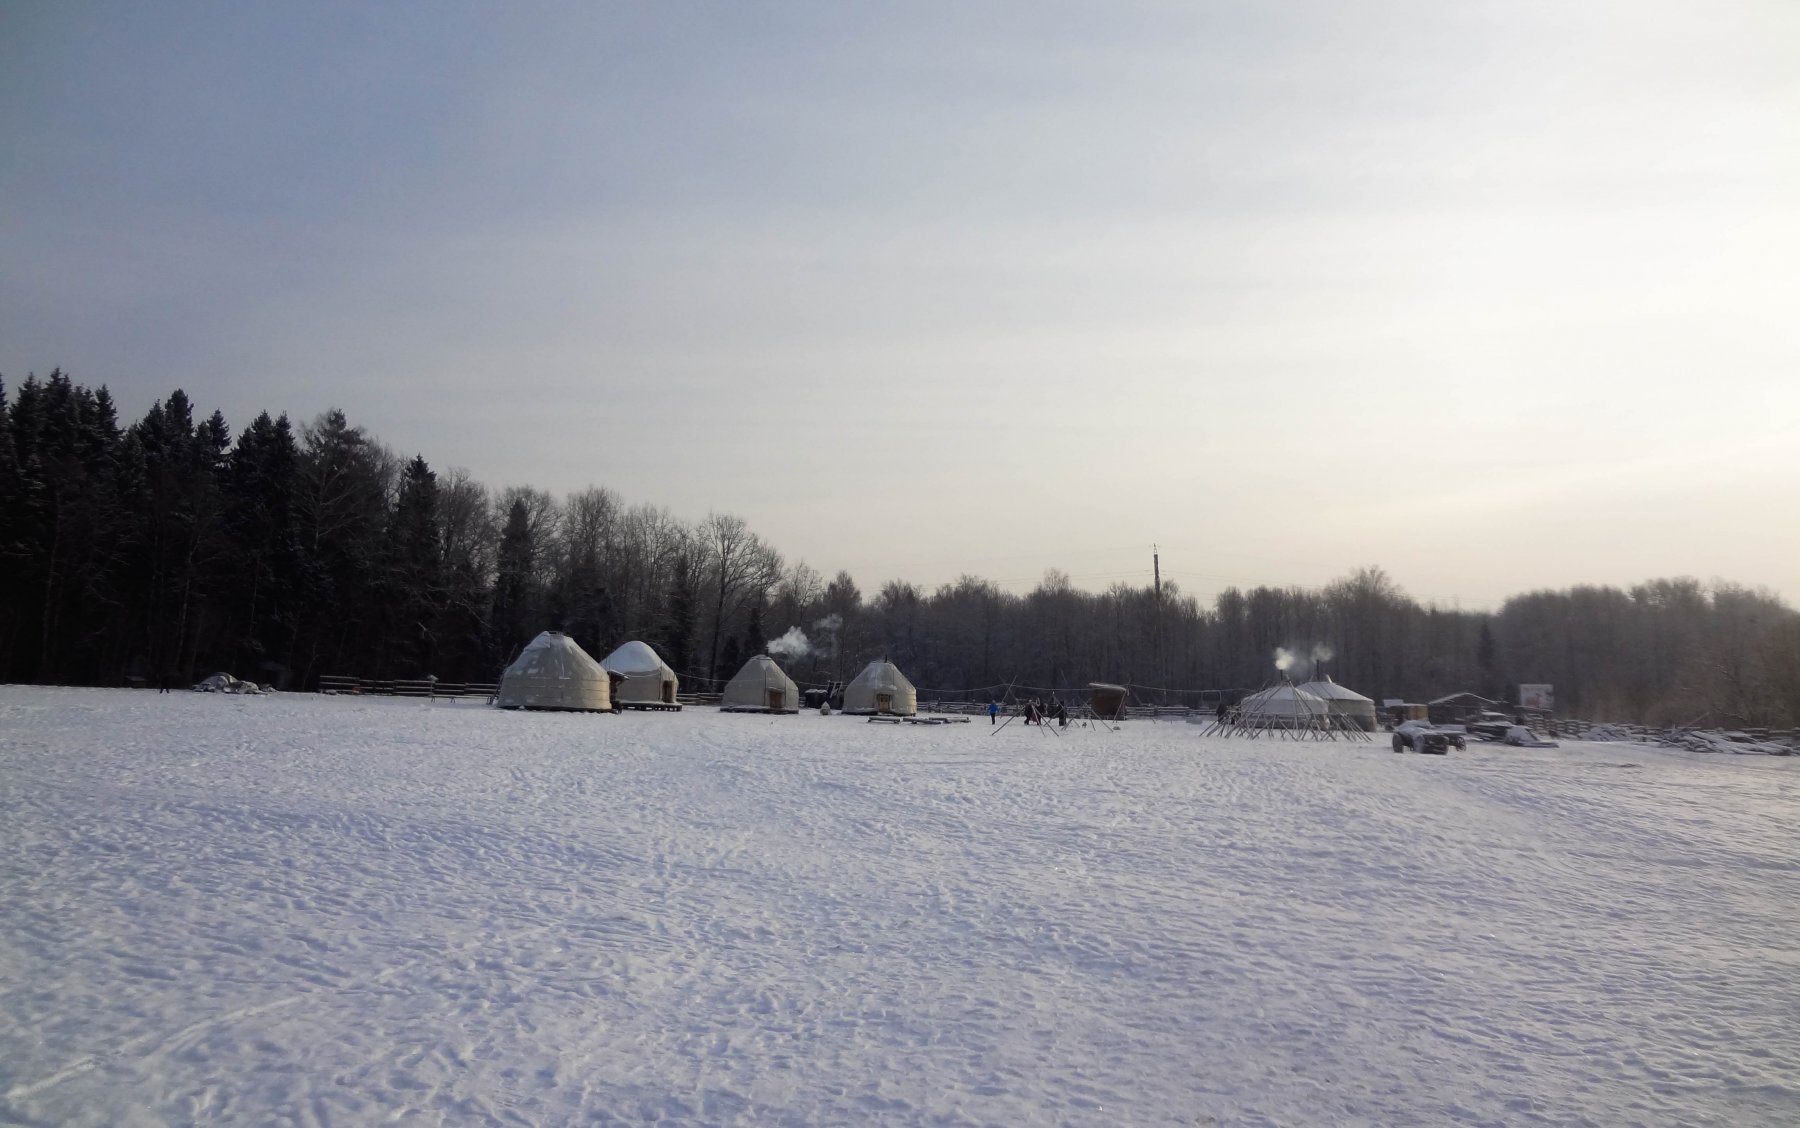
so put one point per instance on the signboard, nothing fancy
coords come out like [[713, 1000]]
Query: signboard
[[1537, 697]]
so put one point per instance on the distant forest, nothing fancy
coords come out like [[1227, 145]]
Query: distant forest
[[171, 547]]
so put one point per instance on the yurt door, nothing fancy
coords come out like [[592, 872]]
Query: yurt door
[[777, 699], [884, 702], [668, 694]]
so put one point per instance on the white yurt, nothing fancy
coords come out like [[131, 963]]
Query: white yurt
[[1282, 706], [640, 679], [552, 672], [760, 687], [881, 688], [1345, 703]]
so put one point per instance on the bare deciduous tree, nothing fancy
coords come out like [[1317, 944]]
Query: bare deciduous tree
[[740, 570]]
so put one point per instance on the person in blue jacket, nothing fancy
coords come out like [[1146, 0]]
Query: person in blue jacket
[[993, 710]]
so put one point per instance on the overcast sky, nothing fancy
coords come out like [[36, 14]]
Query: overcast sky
[[1496, 295]]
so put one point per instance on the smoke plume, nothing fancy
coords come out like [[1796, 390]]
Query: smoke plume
[[1301, 664], [793, 644]]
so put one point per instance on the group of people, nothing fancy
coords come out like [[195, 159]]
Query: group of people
[[1035, 712]]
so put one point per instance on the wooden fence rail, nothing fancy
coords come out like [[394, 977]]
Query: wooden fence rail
[[403, 687], [1752, 738], [1575, 726], [979, 708]]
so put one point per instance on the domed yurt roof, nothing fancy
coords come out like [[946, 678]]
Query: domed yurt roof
[[644, 679], [881, 688], [1344, 703], [553, 672], [1284, 700], [1332, 691], [634, 657], [760, 687]]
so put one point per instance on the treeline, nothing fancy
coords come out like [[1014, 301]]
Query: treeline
[[173, 547]]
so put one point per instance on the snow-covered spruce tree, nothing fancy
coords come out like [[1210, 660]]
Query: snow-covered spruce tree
[[510, 622], [341, 517], [468, 537], [262, 578], [413, 574], [755, 642], [678, 634]]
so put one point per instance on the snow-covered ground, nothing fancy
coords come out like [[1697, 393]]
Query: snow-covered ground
[[314, 910]]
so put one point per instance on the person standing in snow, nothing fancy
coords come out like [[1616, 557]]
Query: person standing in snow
[[993, 710]]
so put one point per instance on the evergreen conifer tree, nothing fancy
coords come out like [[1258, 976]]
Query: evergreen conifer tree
[[754, 642], [261, 480], [511, 625], [683, 604], [415, 572]]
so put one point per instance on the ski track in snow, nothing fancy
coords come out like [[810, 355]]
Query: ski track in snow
[[310, 910]]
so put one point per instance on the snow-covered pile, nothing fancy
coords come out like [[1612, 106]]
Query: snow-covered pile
[[226, 683], [1607, 733], [306, 909], [1729, 743]]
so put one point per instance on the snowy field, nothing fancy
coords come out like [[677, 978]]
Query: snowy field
[[313, 910]]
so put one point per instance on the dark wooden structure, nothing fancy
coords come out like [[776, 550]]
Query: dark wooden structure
[[1108, 701]]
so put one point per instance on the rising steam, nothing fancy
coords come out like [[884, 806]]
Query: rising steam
[[793, 644], [1299, 666]]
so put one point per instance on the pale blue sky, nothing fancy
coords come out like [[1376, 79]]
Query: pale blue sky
[[1495, 295]]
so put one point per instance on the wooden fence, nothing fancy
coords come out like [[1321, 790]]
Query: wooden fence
[[1694, 739], [342, 685], [402, 687], [1132, 712]]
